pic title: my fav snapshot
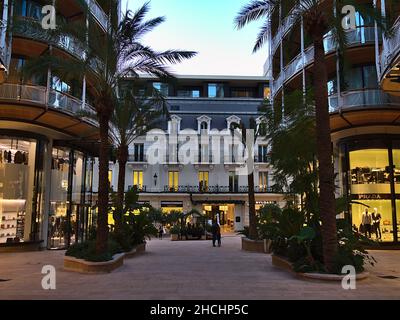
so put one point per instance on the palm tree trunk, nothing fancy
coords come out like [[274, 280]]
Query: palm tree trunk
[[122, 157], [102, 219], [325, 154], [253, 234]]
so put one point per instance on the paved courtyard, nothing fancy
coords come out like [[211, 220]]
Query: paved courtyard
[[190, 271]]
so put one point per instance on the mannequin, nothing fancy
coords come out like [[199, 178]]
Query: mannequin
[[377, 218], [367, 223]]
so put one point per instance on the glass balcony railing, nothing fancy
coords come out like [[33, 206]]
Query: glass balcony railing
[[361, 98], [40, 95], [33, 30], [360, 36], [98, 13], [391, 48]]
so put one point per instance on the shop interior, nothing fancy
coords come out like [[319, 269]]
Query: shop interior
[[17, 170]]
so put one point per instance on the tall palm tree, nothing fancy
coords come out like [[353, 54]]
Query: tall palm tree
[[133, 116], [318, 20], [107, 58]]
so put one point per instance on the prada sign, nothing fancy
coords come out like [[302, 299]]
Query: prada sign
[[372, 197]]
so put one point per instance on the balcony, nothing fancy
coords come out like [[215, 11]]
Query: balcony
[[362, 98], [391, 48], [32, 29], [98, 13], [361, 36], [214, 190], [140, 159], [41, 96]]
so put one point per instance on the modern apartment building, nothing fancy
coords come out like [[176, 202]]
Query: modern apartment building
[[46, 149], [364, 104], [195, 160]]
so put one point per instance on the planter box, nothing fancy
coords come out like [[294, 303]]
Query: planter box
[[82, 266], [284, 264], [136, 251], [262, 246]]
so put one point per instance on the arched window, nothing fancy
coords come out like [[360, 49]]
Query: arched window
[[204, 126]]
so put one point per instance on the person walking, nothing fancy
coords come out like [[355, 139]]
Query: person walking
[[160, 232], [216, 233]]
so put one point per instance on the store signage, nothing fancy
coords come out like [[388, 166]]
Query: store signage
[[372, 197]]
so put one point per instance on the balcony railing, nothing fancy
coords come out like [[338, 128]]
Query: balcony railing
[[98, 13], [362, 98], [137, 158], [33, 30], [360, 36], [39, 95], [391, 48], [215, 189]]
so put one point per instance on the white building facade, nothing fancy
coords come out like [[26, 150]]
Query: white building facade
[[195, 160]]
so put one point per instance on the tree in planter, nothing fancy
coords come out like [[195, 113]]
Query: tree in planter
[[133, 116], [246, 136], [107, 58], [317, 21]]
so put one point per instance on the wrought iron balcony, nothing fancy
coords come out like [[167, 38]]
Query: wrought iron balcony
[[215, 189]]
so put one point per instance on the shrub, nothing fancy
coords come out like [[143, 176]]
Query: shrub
[[87, 251]]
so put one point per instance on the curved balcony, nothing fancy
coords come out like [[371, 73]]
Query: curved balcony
[[33, 30], [390, 58], [98, 13], [362, 98], [41, 96], [361, 36]]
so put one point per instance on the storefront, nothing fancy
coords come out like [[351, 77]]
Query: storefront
[[45, 192], [371, 174], [71, 214], [21, 188]]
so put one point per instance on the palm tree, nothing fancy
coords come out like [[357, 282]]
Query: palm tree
[[317, 21], [133, 116], [107, 58]]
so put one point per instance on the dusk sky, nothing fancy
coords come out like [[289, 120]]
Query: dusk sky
[[205, 26]]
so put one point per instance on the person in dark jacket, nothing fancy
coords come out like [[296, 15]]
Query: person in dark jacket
[[216, 233]]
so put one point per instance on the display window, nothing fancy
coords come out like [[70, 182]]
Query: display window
[[17, 182], [59, 226], [374, 219]]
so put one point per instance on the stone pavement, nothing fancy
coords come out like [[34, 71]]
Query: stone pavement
[[188, 271]]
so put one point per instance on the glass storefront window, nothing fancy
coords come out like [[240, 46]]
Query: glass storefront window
[[370, 171], [380, 229], [370, 182], [58, 219], [17, 185]]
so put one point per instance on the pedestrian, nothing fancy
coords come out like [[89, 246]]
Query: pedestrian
[[160, 232], [216, 233]]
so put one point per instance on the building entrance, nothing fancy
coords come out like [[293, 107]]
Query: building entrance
[[224, 214]]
